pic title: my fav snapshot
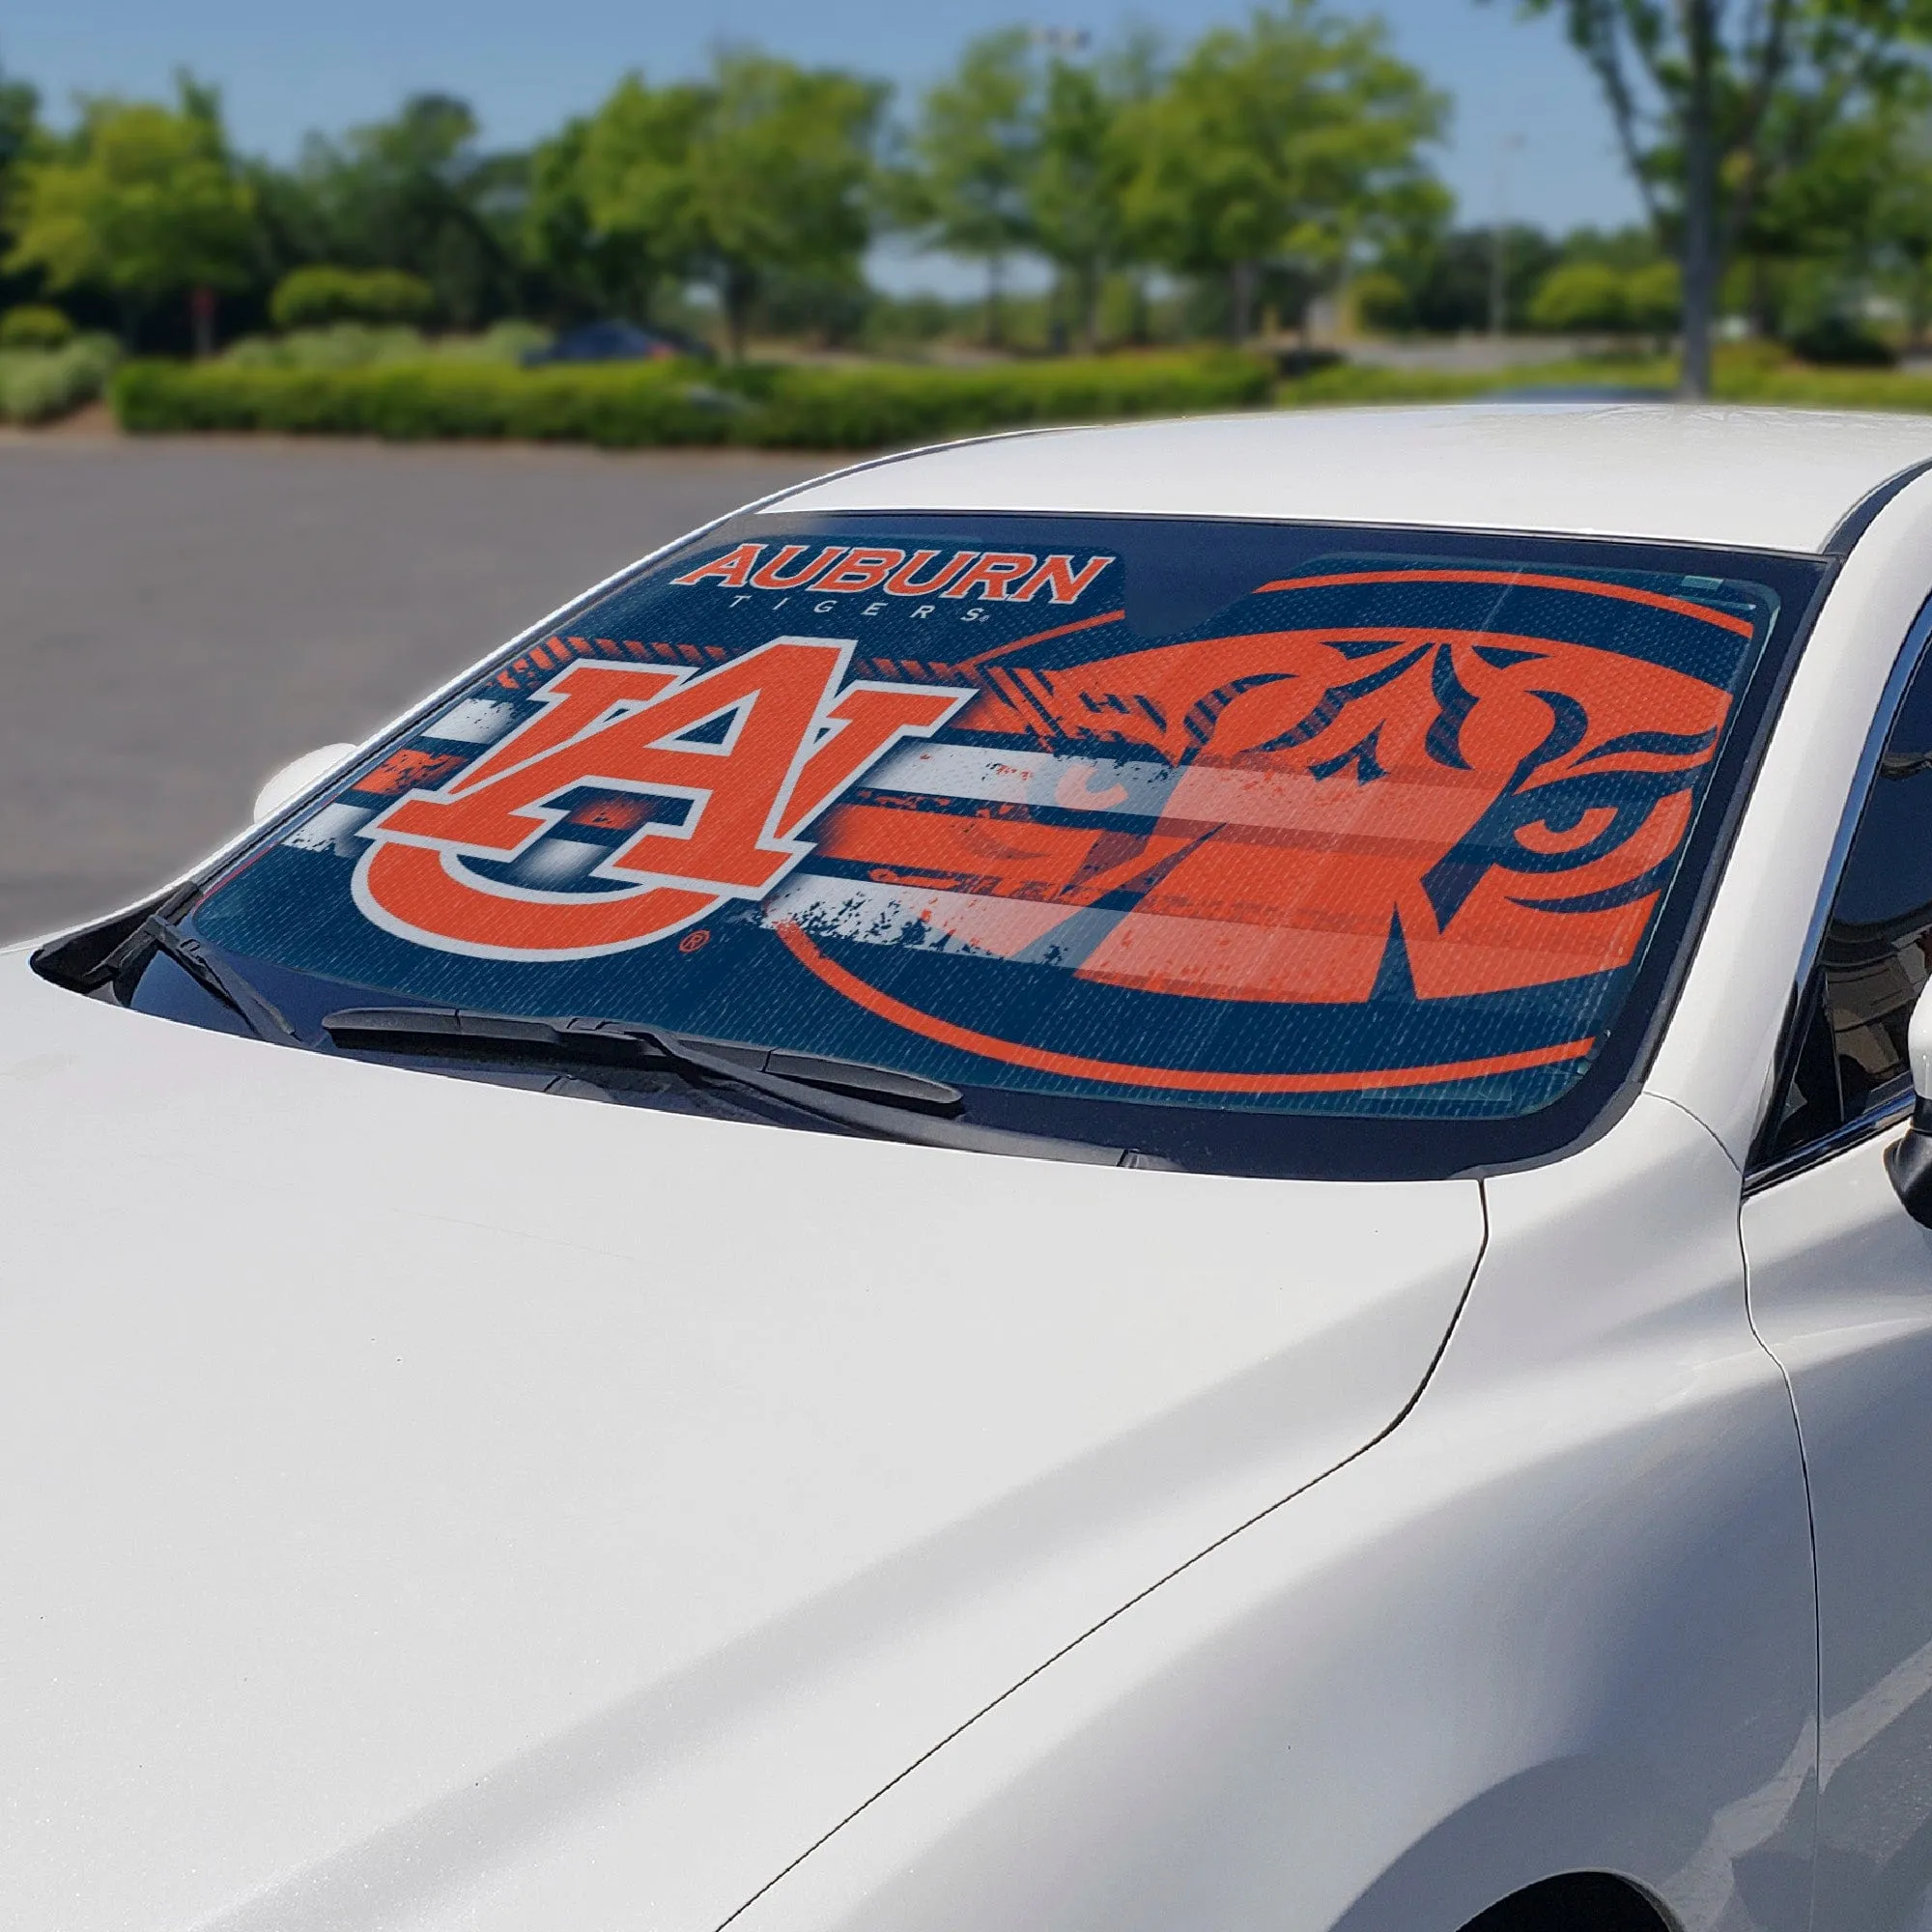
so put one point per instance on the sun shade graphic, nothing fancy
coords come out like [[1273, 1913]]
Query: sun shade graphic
[[1380, 833]]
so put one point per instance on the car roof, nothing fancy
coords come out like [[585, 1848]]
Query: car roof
[[1770, 479]]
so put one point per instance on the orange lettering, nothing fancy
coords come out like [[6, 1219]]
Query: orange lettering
[[994, 573], [772, 576], [862, 570], [730, 570], [1058, 577], [904, 583]]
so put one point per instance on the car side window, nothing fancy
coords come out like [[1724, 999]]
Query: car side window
[[1849, 1057]]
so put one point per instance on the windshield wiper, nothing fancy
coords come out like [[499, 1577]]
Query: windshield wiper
[[262, 1015], [875, 1099]]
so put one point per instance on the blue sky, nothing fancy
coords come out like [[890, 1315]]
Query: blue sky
[[284, 70]]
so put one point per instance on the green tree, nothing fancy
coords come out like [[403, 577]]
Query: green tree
[[1294, 140], [632, 179], [1447, 274], [1714, 106], [588, 269], [1083, 163], [143, 200], [781, 176], [972, 153], [20, 137], [1899, 216], [20, 125], [763, 170], [416, 192]]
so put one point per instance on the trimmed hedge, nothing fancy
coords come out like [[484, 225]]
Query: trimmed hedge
[[865, 408], [633, 405], [1363, 382], [35, 326], [315, 296], [361, 345], [1828, 388], [39, 385]]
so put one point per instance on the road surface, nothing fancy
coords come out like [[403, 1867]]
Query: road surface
[[177, 618]]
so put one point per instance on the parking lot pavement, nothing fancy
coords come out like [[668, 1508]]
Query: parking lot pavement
[[179, 618]]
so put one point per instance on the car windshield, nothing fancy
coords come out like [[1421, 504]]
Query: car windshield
[[1269, 848]]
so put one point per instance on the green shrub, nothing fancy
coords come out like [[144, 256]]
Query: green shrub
[[1654, 297], [630, 405], [341, 345], [1581, 297], [40, 384], [314, 297], [362, 345], [805, 408], [507, 341], [1345, 382], [1841, 341], [419, 401], [1798, 387], [35, 326], [1380, 301]]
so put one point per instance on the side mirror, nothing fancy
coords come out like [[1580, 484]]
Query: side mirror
[[1909, 1161], [295, 777]]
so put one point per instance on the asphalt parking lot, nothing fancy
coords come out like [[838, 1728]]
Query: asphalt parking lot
[[177, 618]]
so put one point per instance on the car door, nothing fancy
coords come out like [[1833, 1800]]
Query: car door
[[1840, 1286]]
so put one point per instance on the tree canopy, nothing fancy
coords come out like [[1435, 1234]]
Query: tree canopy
[[142, 199], [1782, 148], [760, 170], [1298, 136], [973, 149], [1718, 105]]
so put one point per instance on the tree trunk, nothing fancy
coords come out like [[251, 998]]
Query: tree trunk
[[1088, 287], [1701, 267], [739, 288], [1763, 301], [201, 307], [996, 328], [1242, 300]]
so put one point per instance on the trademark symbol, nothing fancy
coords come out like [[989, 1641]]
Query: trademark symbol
[[694, 942]]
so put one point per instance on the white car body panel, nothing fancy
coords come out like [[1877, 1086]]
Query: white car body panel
[[1772, 479], [413, 1557], [1717, 1055], [1842, 1292], [621, 1520], [1504, 1642]]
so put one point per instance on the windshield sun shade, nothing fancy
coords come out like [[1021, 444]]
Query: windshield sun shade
[[1248, 842]]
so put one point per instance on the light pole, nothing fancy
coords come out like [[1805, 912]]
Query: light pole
[[1506, 145]]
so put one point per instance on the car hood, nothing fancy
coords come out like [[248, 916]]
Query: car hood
[[431, 1503]]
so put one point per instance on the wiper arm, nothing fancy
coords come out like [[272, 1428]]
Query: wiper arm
[[875, 1099], [263, 1016]]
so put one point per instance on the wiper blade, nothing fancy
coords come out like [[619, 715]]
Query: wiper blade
[[875, 1099], [263, 1016], [593, 1037]]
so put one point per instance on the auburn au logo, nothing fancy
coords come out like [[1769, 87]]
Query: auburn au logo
[[783, 735]]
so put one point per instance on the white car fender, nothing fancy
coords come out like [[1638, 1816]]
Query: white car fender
[[1562, 1609]]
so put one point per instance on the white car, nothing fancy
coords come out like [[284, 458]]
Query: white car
[[1126, 1180]]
